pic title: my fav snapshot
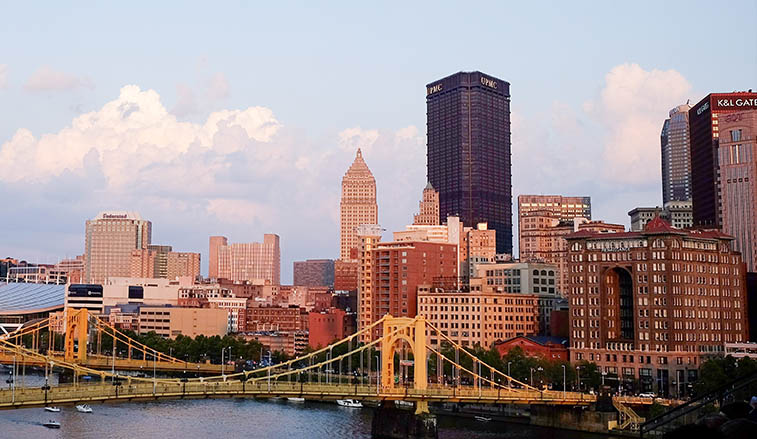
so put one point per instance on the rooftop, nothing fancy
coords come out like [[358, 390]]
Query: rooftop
[[23, 298]]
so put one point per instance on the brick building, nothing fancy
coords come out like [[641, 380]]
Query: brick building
[[314, 273], [549, 348], [326, 326], [649, 305], [276, 318]]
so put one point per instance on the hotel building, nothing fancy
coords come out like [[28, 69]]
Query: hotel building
[[110, 239], [650, 305]]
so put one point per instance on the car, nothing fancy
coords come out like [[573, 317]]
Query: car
[[647, 395]]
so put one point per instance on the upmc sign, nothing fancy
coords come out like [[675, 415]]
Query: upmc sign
[[734, 102]]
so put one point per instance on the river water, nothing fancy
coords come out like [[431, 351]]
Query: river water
[[234, 418]]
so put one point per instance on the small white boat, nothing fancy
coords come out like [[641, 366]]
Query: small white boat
[[404, 404], [353, 403], [84, 408], [295, 399], [52, 424], [482, 418], [52, 409]]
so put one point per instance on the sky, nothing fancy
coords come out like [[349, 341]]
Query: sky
[[240, 118]]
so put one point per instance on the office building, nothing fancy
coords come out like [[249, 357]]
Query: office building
[[358, 205], [170, 322], [479, 316], [677, 213], [428, 208], [651, 305], [110, 239], [469, 158], [704, 129], [255, 261], [327, 326], [368, 237], [314, 273], [160, 261], [737, 159], [676, 158], [346, 275], [544, 240], [537, 212]]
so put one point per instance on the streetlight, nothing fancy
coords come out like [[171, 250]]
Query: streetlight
[[578, 374], [508, 368], [563, 381], [532, 374], [154, 382]]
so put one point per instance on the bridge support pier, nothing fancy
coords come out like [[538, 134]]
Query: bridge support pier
[[567, 417], [392, 423]]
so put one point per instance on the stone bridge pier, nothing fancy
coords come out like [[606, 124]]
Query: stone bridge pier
[[390, 422]]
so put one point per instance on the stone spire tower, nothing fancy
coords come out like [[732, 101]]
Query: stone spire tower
[[358, 206], [428, 212]]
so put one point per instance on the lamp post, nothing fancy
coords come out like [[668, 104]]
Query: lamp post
[[154, 369], [578, 375], [508, 368], [563, 381], [532, 374]]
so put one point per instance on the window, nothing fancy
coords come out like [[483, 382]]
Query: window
[[735, 135]]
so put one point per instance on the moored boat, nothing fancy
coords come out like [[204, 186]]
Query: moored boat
[[52, 424], [84, 408], [296, 399], [52, 409], [483, 418], [353, 403]]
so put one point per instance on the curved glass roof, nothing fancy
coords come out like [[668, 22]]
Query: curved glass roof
[[23, 298]]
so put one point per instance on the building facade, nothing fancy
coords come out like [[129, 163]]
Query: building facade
[[346, 275], [704, 129], [676, 158], [326, 326], [479, 316], [314, 273], [160, 261], [255, 261], [368, 238], [428, 208], [109, 240], [677, 213], [358, 205], [169, 321], [396, 270], [737, 160], [649, 305], [277, 318], [469, 158]]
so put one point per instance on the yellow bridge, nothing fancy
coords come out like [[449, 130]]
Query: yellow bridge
[[431, 376]]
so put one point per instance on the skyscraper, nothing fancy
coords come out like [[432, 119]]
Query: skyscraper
[[109, 241], [428, 209], [253, 261], [676, 160], [705, 134], [468, 123], [358, 205]]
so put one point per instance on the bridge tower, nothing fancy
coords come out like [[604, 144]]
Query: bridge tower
[[414, 333], [77, 328]]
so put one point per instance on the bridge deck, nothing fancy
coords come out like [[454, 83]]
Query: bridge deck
[[61, 395], [104, 362]]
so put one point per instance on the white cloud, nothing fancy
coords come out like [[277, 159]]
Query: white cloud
[[632, 106], [240, 211], [186, 103], [3, 76], [47, 79], [353, 138]]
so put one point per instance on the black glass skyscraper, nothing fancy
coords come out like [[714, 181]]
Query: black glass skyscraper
[[468, 159]]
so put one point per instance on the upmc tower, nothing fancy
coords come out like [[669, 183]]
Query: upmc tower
[[468, 123]]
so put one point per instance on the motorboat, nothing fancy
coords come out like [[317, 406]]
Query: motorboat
[[52, 424], [482, 418], [403, 404], [352, 403], [84, 408], [52, 409], [296, 399]]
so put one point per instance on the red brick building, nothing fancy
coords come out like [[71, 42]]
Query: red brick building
[[275, 318], [345, 275], [649, 305], [549, 348], [326, 326], [397, 270]]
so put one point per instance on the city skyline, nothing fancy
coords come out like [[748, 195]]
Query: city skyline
[[232, 181]]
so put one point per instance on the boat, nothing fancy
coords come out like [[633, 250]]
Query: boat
[[52, 424], [404, 404], [349, 403], [84, 408], [295, 399], [52, 409], [482, 418]]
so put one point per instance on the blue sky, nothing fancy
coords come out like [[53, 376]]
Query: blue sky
[[591, 83]]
